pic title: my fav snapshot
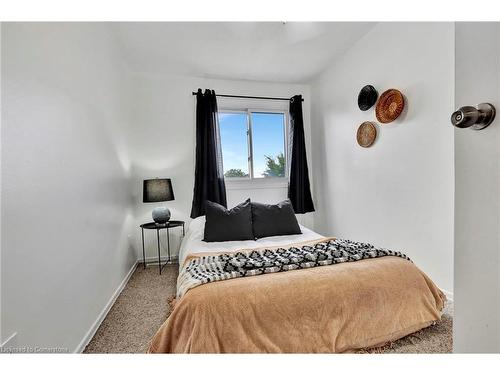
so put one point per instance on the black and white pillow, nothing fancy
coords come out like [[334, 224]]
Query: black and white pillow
[[274, 219], [222, 224]]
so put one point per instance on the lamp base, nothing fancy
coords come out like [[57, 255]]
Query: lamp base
[[161, 215]]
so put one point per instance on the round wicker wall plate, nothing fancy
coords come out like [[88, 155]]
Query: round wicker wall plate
[[367, 133], [367, 97], [389, 106]]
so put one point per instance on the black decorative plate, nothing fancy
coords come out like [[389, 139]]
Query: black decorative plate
[[367, 97]]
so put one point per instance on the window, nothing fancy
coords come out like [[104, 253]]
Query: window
[[253, 144]]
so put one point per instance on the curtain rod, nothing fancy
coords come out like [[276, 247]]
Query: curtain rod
[[250, 97]]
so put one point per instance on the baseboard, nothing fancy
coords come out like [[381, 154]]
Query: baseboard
[[449, 295], [10, 342], [93, 329], [153, 261]]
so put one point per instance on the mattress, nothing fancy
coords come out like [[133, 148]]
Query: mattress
[[193, 243]]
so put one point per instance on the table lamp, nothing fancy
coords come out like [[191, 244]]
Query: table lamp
[[158, 190]]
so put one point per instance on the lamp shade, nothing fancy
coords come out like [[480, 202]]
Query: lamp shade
[[157, 190]]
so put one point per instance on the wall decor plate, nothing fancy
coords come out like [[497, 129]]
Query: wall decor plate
[[367, 97], [389, 106], [367, 133]]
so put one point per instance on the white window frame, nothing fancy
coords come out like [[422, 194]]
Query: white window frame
[[251, 180]]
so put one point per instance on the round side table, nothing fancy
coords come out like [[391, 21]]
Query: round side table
[[158, 227]]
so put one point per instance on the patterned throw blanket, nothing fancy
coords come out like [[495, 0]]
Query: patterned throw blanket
[[211, 268]]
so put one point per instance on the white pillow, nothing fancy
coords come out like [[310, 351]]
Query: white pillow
[[197, 227]]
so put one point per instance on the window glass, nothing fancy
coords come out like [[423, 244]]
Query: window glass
[[233, 134], [265, 131], [268, 143]]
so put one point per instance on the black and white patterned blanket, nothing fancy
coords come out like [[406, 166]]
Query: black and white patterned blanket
[[226, 266]]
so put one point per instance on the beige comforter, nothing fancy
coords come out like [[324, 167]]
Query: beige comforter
[[327, 309]]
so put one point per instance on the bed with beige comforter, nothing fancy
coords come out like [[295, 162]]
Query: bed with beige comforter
[[329, 309]]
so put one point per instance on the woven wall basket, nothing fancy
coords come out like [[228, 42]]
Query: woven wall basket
[[389, 106], [367, 133]]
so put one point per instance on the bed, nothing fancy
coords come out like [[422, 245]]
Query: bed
[[329, 309]]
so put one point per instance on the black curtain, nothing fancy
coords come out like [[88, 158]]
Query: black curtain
[[299, 190], [209, 176]]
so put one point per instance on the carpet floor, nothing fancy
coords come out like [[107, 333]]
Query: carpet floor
[[143, 306]]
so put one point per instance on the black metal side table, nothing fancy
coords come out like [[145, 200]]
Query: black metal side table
[[167, 226]]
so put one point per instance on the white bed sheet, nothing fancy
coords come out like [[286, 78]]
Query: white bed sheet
[[193, 241]]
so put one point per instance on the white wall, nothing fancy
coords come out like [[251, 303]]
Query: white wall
[[2, 338], [477, 187], [65, 184], [79, 134], [399, 192], [161, 142]]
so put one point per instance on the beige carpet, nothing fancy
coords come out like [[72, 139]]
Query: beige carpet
[[143, 306], [137, 313]]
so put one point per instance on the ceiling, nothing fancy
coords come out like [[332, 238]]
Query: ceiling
[[263, 51]]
